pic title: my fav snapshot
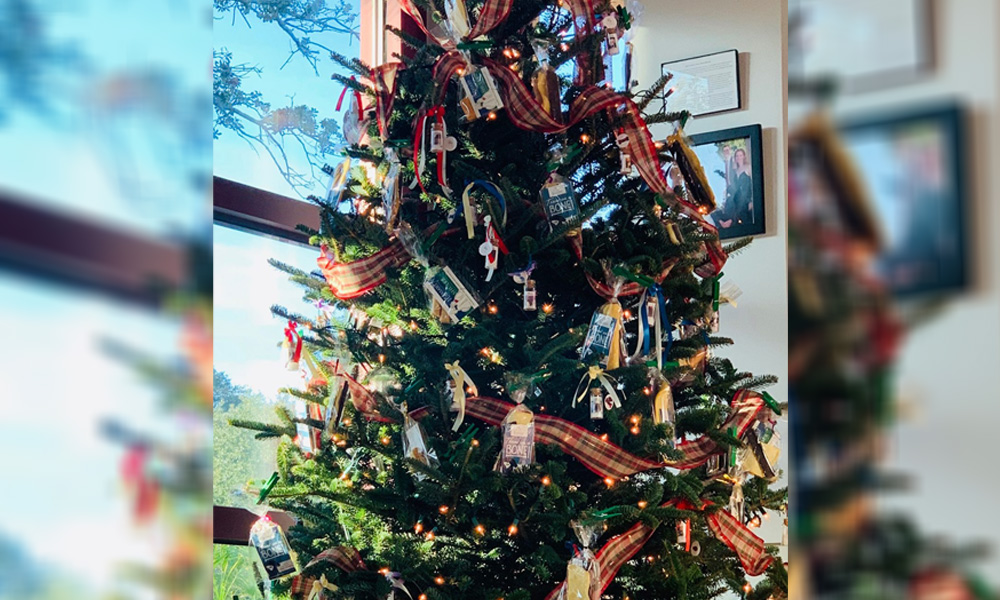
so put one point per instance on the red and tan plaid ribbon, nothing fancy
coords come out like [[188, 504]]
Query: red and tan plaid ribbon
[[644, 157], [621, 548], [492, 14], [350, 280], [605, 458], [739, 539], [602, 289], [343, 557]]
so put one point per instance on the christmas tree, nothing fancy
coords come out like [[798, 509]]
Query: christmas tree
[[509, 389]]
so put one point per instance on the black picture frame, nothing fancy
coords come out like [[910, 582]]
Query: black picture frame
[[664, 69], [747, 219], [921, 204], [870, 66]]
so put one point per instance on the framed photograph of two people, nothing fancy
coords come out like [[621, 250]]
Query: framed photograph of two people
[[733, 165]]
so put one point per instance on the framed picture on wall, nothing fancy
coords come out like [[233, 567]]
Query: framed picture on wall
[[734, 166], [703, 85], [859, 44], [911, 165]]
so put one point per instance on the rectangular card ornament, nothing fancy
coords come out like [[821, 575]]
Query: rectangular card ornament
[[559, 200], [480, 93], [449, 293], [272, 547], [600, 335]]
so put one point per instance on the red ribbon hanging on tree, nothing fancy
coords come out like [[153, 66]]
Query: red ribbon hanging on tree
[[384, 79], [293, 337]]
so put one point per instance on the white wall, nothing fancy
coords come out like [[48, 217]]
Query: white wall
[[675, 30], [950, 369]]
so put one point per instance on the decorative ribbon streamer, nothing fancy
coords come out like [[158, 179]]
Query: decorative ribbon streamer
[[522, 276], [460, 378], [492, 247], [606, 459], [396, 579], [318, 586], [596, 372], [606, 291], [655, 292], [494, 191], [294, 340], [621, 548], [350, 280], [419, 149]]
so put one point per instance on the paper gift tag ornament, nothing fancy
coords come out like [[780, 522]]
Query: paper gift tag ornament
[[763, 448], [583, 573], [451, 299], [415, 444], [610, 25], [272, 548], [605, 336], [559, 200], [518, 439], [480, 93]]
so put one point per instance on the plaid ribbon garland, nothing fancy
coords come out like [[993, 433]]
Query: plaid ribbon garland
[[350, 280], [644, 157], [608, 460], [344, 558], [629, 288], [747, 546], [621, 548], [492, 14]]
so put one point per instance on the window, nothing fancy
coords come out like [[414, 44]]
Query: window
[[249, 371], [62, 481], [105, 117]]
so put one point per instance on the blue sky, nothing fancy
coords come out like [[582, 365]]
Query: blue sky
[[64, 488]]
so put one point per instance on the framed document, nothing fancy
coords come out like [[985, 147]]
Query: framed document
[[858, 44], [703, 85]]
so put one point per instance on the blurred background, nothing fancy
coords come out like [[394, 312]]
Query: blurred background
[[893, 294], [105, 415], [106, 124]]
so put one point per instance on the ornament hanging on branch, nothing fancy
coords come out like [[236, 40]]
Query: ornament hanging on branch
[[450, 299], [518, 430], [457, 385], [523, 277], [602, 392], [291, 347], [480, 95], [545, 82], [391, 193], [559, 200], [272, 548], [621, 140], [605, 336], [415, 443], [685, 540], [696, 183], [583, 573]]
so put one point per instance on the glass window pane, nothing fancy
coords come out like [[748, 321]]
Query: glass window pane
[[265, 147], [104, 110], [249, 369], [65, 513]]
